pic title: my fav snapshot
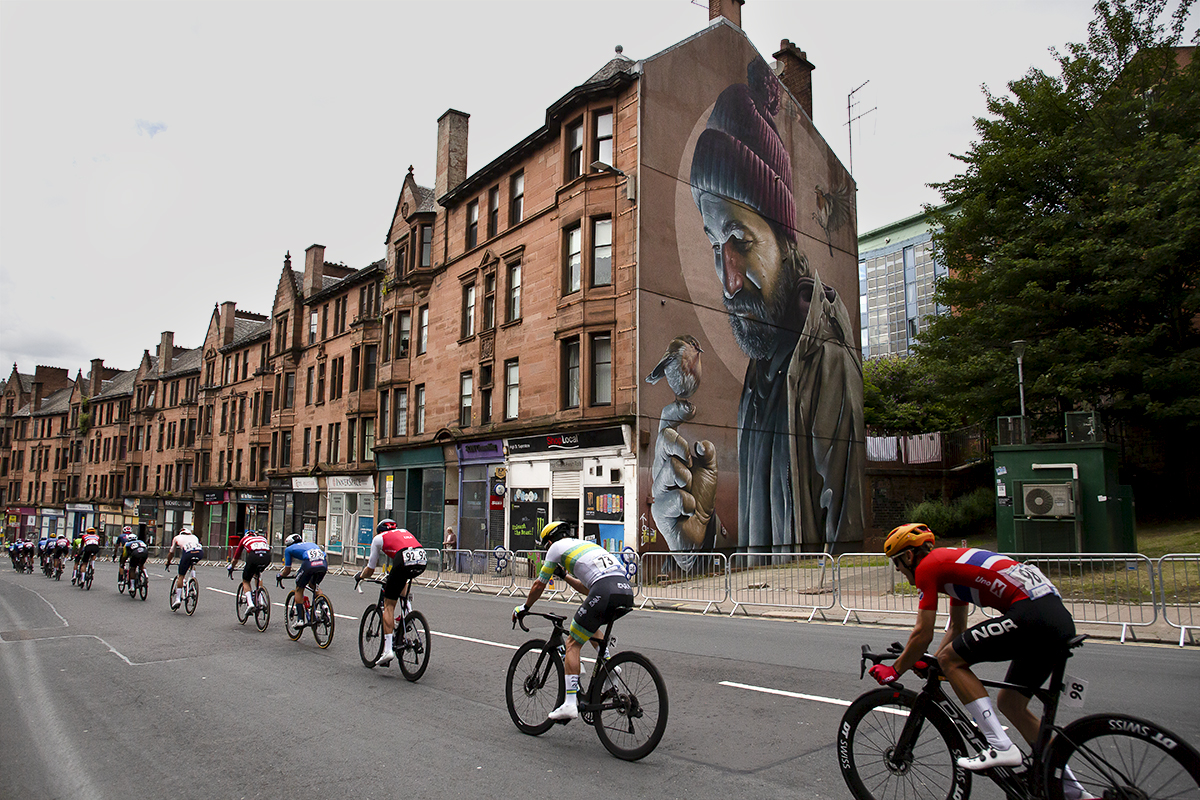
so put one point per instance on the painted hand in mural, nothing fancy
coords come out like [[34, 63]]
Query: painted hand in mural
[[684, 481]]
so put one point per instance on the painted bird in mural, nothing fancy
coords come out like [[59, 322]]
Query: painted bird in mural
[[680, 365], [833, 210]]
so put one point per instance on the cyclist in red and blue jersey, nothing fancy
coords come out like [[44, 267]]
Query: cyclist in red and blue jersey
[[91, 547], [62, 546], [119, 542], [408, 561], [258, 557], [312, 569], [1032, 630]]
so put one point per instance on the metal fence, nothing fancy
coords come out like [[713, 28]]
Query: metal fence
[[782, 580], [704, 580], [1179, 582], [1102, 588], [867, 582]]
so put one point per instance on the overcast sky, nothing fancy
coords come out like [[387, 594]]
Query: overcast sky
[[158, 158]]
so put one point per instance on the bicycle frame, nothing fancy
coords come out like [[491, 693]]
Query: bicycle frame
[[1023, 784], [556, 641]]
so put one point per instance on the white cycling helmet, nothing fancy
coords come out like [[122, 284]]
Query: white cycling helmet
[[291, 540]]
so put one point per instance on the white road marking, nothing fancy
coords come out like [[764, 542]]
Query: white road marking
[[835, 701]]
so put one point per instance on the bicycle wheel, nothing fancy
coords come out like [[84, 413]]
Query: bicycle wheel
[[322, 625], [291, 623], [414, 646], [143, 583], [262, 611], [370, 636], [88, 580], [1120, 757], [120, 584], [191, 596], [535, 686], [171, 594], [866, 745], [633, 714], [239, 605]]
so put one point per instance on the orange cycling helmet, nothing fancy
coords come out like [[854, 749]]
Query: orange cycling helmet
[[914, 534]]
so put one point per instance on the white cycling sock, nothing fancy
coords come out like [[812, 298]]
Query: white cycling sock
[[249, 599], [1072, 788], [985, 717], [387, 641], [572, 687]]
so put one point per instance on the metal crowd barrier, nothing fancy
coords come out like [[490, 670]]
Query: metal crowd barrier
[[1102, 588], [491, 571], [868, 583], [455, 570], [1179, 587], [705, 579], [782, 580]]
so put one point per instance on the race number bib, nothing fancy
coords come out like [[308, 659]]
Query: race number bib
[[1030, 579], [414, 556], [1074, 691]]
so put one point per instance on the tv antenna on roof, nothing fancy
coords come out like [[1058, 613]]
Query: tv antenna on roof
[[849, 127]]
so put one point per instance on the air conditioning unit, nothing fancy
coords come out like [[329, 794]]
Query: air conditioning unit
[[1048, 499]]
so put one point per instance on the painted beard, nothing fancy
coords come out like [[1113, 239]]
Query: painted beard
[[757, 321]]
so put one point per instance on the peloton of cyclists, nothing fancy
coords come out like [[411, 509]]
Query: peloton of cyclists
[[1032, 631], [258, 557], [407, 562], [312, 570], [589, 569], [190, 551]]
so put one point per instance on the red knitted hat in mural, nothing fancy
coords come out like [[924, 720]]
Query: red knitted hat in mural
[[740, 155]]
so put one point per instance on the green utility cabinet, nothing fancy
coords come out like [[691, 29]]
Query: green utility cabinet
[[1062, 498]]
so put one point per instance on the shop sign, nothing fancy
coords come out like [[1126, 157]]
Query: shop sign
[[304, 485], [280, 483], [178, 505], [481, 451], [603, 503], [388, 492], [214, 498], [82, 508], [605, 437], [253, 498], [350, 483]]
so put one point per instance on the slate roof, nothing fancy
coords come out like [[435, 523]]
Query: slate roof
[[184, 361], [56, 403], [245, 331], [122, 382]]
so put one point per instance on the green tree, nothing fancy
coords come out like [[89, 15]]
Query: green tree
[[1075, 226], [901, 396]]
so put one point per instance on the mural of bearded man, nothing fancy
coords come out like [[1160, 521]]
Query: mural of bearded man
[[800, 419]]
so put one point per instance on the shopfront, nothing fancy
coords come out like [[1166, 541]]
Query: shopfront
[[350, 516], [80, 517], [53, 522], [295, 503], [482, 475], [584, 478], [147, 523], [253, 512], [412, 491]]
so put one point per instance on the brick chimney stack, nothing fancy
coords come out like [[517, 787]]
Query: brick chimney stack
[[96, 377], [451, 151], [729, 9], [314, 269], [36, 401], [796, 74], [227, 313], [166, 352]]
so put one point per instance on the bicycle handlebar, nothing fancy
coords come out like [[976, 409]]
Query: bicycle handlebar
[[557, 619], [894, 650], [358, 580]]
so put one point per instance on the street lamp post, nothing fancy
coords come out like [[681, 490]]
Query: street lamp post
[[1019, 349]]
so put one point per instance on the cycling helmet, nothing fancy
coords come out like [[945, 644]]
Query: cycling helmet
[[914, 534], [553, 532], [127, 529], [385, 525], [291, 540], [91, 530]]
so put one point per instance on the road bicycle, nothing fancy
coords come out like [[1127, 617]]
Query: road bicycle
[[88, 574], [262, 603], [191, 591], [411, 642], [317, 614], [58, 569], [897, 743], [138, 583], [626, 700]]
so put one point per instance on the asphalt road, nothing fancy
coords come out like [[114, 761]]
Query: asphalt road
[[106, 697]]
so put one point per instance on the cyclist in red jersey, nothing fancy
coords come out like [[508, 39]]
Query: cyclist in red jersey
[[258, 557], [1033, 628], [408, 561], [91, 547]]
